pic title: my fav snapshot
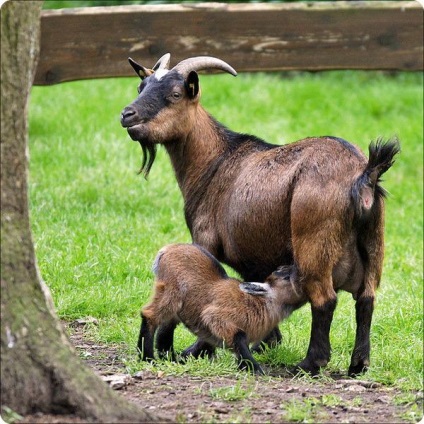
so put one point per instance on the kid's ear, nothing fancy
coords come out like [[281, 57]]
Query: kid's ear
[[284, 272], [192, 84]]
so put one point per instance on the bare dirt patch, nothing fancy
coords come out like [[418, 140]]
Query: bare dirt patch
[[274, 399]]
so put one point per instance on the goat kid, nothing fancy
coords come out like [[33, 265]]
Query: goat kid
[[316, 203], [192, 287]]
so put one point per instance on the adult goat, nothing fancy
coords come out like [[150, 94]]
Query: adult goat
[[316, 203]]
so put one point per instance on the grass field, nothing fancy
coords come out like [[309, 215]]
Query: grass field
[[97, 225]]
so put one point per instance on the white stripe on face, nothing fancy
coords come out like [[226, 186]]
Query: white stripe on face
[[160, 73], [262, 286], [255, 289]]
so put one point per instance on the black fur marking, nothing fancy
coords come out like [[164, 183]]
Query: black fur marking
[[381, 155], [319, 350], [149, 155], [287, 272], [361, 352], [235, 139], [245, 357], [192, 84], [145, 341], [165, 340], [381, 158], [218, 267], [152, 100], [346, 144], [199, 349]]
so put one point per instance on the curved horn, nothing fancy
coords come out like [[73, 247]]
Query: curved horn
[[163, 62], [202, 62]]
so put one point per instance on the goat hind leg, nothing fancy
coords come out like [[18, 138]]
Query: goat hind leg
[[145, 340], [199, 349], [165, 340], [371, 240], [319, 350], [361, 352], [246, 360]]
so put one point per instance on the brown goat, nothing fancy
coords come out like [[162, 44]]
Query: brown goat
[[316, 203], [192, 287]]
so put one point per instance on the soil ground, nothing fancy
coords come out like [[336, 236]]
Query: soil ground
[[280, 398]]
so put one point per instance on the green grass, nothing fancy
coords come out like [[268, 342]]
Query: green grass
[[235, 392], [308, 410], [97, 225]]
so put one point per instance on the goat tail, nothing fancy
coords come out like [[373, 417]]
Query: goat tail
[[155, 267], [367, 186], [381, 157]]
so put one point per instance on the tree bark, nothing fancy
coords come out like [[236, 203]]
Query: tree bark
[[39, 369]]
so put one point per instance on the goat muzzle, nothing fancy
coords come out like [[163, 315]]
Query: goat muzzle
[[129, 117]]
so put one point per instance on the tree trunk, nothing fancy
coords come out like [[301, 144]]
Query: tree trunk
[[39, 369]]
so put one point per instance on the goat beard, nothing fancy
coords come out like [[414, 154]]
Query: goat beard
[[149, 155]]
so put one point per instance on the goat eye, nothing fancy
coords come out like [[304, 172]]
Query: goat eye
[[176, 95]]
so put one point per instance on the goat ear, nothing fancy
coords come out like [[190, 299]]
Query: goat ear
[[141, 71], [255, 289], [284, 272], [192, 84]]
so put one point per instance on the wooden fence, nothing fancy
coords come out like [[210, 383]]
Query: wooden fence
[[95, 42]]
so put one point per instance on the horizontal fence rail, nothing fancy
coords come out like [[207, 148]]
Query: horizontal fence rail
[[96, 42]]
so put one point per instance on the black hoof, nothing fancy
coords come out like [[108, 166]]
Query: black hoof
[[305, 367], [355, 370], [144, 357], [258, 371], [250, 367]]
